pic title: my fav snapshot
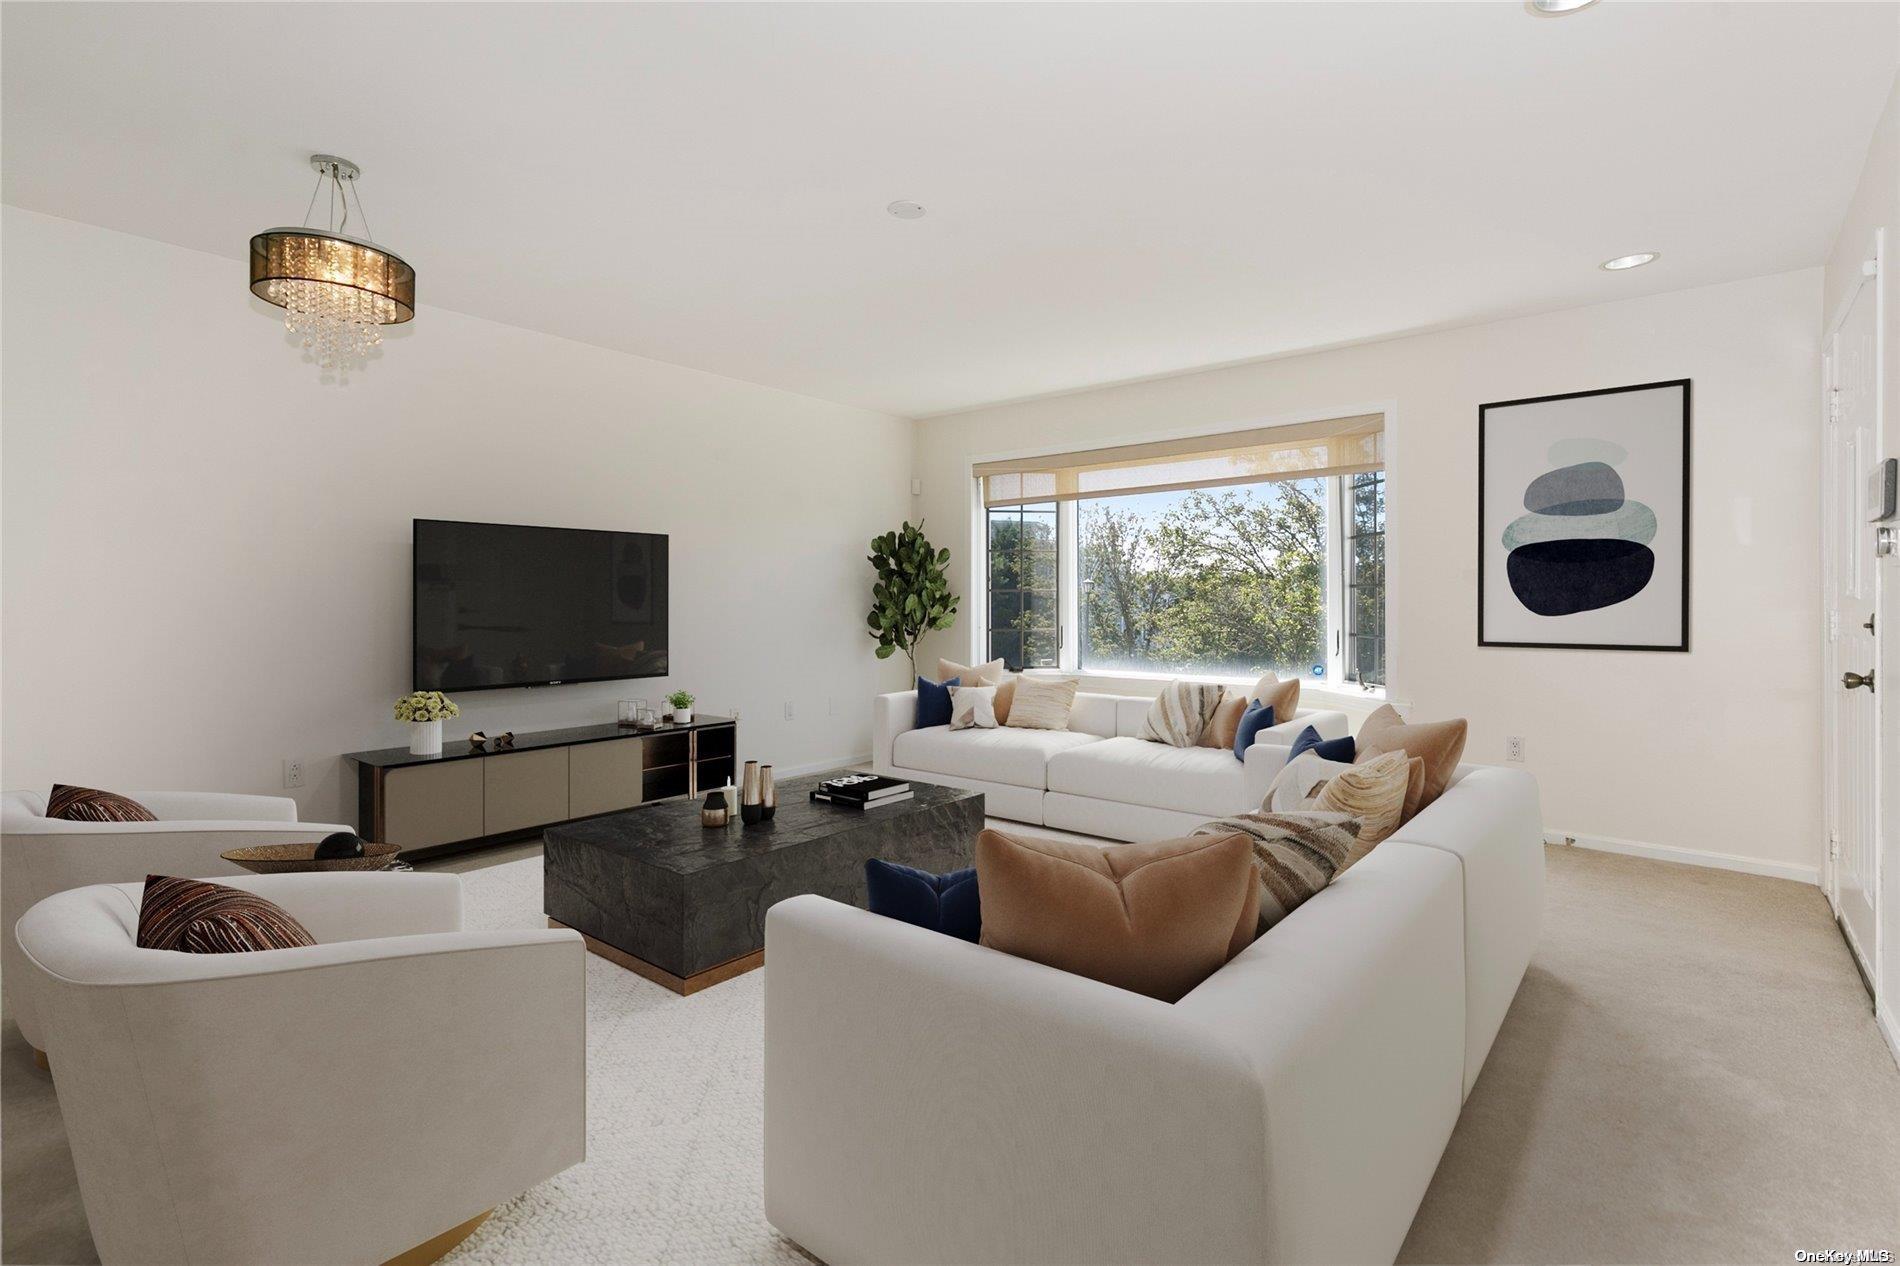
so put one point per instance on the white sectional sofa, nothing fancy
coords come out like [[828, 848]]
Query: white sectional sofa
[[1095, 777], [932, 1100]]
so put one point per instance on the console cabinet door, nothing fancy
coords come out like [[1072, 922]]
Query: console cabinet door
[[523, 790], [425, 805], [602, 777]]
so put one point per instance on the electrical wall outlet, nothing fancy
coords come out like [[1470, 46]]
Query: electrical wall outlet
[[788, 709], [293, 773], [1514, 749]]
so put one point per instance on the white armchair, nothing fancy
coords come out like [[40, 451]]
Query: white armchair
[[40, 856], [339, 1103]]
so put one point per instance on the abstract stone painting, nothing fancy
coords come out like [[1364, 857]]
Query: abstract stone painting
[[1586, 559]]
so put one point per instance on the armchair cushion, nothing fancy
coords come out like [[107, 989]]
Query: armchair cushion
[[85, 804], [195, 917]]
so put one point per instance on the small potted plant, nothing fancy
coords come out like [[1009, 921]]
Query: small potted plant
[[682, 704], [425, 710]]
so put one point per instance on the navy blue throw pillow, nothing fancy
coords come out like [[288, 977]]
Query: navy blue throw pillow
[[942, 903], [933, 701], [1256, 718], [1339, 749]]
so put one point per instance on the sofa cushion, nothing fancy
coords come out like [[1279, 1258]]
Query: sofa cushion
[[1438, 743], [1374, 792], [972, 707], [1156, 918], [1202, 780], [990, 674], [1225, 725], [1282, 696], [1339, 749], [1257, 717], [1014, 757]]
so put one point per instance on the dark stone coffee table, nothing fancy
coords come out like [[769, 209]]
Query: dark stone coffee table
[[684, 905]]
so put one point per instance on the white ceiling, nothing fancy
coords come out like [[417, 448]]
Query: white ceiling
[[1113, 191]]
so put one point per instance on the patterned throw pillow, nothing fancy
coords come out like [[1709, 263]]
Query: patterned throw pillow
[[1042, 703], [1373, 792], [1180, 713], [1294, 854], [83, 804], [973, 707], [195, 917]]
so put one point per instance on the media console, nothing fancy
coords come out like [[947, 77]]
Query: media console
[[431, 805]]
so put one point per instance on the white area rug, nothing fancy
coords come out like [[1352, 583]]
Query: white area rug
[[675, 1110]]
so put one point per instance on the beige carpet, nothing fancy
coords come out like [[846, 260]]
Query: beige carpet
[[1689, 1074]]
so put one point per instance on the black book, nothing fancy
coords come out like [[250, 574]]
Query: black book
[[863, 788], [819, 797]]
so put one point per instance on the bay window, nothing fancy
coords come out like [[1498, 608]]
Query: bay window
[[1219, 556]]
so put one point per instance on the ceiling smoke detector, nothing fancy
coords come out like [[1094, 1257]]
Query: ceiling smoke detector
[[1637, 260], [906, 210]]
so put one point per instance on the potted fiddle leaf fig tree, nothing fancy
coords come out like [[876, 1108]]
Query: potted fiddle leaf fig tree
[[911, 595]]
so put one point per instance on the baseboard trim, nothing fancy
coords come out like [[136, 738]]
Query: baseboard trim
[[1688, 856], [1890, 1029], [823, 766]]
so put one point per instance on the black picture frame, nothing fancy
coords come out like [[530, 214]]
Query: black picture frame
[[1687, 412]]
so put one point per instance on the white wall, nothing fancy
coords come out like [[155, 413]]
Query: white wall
[[1876, 205], [1716, 750], [206, 548]]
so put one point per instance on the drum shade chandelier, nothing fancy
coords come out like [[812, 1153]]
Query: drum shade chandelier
[[337, 291]]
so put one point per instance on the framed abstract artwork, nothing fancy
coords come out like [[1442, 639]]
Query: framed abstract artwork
[[1583, 519]]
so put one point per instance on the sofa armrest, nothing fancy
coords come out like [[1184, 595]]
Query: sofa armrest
[[219, 805], [891, 715], [906, 1070], [1331, 725]]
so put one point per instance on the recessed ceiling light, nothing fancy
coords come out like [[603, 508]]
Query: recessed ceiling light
[[1560, 6], [1637, 260], [906, 210]]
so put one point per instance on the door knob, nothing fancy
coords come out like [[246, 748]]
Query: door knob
[[1853, 681]]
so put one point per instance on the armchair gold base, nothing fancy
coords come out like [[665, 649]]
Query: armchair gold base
[[430, 1250]]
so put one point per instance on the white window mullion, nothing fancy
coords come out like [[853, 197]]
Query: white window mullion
[[1069, 584], [1336, 493]]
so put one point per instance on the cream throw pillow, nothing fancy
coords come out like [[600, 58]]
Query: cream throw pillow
[[973, 707], [1042, 703], [1180, 713], [1373, 792]]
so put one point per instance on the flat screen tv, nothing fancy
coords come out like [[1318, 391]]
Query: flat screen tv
[[499, 605]]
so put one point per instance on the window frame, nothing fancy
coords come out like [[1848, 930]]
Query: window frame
[[1337, 567], [989, 631]]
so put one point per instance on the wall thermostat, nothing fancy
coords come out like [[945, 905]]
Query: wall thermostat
[[1883, 491]]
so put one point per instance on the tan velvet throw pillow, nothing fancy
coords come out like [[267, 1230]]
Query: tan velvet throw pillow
[[990, 674], [1282, 696], [1225, 724], [1155, 918], [1439, 744], [1041, 703]]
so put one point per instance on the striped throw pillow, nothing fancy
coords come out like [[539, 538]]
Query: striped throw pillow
[[195, 917], [1042, 703], [1180, 713], [84, 804], [1294, 854]]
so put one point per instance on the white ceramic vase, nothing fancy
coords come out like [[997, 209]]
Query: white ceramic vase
[[682, 716], [425, 738]]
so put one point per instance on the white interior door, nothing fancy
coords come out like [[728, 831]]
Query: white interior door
[[1852, 432]]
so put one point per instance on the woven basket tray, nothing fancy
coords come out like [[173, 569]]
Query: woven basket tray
[[279, 859]]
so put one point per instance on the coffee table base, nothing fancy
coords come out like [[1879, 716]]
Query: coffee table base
[[681, 985]]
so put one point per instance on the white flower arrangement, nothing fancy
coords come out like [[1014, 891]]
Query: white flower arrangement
[[426, 705]]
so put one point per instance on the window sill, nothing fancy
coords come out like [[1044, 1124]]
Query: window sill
[[1342, 695]]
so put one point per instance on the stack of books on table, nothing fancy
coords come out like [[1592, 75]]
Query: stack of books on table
[[861, 791]]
